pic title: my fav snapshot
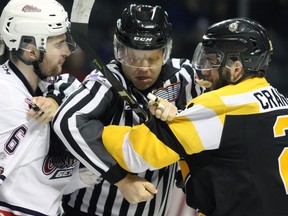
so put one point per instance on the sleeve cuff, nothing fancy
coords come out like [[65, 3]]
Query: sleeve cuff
[[115, 174], [58, 100]]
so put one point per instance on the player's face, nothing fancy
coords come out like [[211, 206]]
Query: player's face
[[211, 71], [56, 52], [143, 68], [212, 75]]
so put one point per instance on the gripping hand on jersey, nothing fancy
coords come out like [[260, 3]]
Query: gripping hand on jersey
[[136, 189], [161, 108], [46, 110]]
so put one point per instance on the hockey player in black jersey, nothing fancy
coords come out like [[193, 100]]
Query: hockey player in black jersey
[[233, 138]]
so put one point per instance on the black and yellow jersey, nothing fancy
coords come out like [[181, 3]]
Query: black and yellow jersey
[[235, 142]]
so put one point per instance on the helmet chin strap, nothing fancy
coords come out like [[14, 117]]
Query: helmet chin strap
[[35, 64]]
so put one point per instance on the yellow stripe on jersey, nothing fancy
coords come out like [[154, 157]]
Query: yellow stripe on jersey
[[184, 169], [230, 99], [187, 135], [123, 145], [113, 138], [151, 149]]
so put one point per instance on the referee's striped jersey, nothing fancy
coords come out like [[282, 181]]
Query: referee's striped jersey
[[77, 124]]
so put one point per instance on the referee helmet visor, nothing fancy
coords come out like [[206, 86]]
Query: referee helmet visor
[[140, 58]]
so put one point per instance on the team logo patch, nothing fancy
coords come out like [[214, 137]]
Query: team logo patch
[[62, 173], [30, 8], [92, 76], [170, 92], [233, 26], [60, 167]]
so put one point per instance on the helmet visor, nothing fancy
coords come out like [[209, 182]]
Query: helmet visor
[[72, 46], [205, 58], [140, 58], [69, 43]]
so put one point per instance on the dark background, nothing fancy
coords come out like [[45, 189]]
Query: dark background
[[190, 19]]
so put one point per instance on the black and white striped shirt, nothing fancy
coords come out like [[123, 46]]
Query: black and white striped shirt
[[78, 125]]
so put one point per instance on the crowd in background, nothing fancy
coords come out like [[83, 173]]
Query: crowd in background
[[190, 19]]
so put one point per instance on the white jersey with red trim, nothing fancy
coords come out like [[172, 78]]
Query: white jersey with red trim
[[31, 183]]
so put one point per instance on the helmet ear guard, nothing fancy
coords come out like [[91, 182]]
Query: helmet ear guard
[[231, 58]]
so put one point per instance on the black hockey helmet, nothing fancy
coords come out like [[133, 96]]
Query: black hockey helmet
[[231, 39], [144, 27]]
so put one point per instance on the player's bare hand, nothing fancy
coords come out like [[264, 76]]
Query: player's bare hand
[[136, 189], [45, 109], [162, 108]]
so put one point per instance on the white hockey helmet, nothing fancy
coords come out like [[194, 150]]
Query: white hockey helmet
[[39, 19]]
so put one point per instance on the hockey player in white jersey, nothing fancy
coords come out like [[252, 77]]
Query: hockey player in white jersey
[[33, 174]]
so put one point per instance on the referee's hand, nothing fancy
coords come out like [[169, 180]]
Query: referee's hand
[[136, 189], [161, 108]]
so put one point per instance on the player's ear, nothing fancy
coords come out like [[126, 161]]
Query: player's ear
[[236, 70], [238, 66], [239, 70]]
